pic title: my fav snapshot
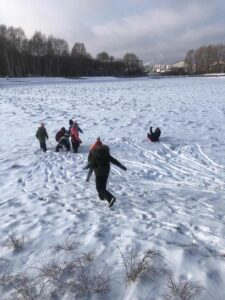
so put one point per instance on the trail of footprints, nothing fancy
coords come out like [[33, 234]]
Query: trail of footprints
[[180, 166]]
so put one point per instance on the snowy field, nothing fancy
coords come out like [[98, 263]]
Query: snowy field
[[170, 200]]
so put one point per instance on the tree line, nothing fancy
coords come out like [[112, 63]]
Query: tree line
[[206, 59], [50, 56]]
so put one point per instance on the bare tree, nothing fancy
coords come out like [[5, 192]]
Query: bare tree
[[103, 57], [57, 47], [79, 50], [16, 37], [38, 44], [4, 59], [49, 56], [209, 58], [133, 64], [189, 59]]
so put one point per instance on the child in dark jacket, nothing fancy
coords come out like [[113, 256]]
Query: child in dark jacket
[[60, 133], [100, 162], [154, 135], [42, 135]]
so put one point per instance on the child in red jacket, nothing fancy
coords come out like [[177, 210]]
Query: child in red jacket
[[75, 139]]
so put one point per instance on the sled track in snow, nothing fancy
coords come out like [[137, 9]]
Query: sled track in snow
[[176, 166]]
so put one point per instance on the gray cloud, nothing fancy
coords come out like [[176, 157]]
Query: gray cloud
[[157, 31]]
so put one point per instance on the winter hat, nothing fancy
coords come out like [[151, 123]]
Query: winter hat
[[71, 122], [42, 125], [98, 143]]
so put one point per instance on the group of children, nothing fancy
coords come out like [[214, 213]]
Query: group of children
[[99, 157], [62, 137]]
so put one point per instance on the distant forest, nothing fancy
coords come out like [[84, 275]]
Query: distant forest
[[50, 56], [206, 59]]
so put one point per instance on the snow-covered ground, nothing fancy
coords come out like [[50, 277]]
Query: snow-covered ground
[[170, 199]]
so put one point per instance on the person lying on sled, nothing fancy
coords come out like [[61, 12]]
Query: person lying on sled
[[154, 135]]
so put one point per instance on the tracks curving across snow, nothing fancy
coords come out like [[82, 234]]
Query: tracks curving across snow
[[180, 166]]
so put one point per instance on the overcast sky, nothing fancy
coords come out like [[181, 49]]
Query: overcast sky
[[158, 31]]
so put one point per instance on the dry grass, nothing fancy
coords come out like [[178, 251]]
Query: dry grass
[[136, 263], [185, 290], [81, 275], [67, 245], [16, 242], [90, 280], [24, 287]]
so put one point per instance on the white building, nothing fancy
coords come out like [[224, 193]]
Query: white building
[[180, 65], [161, 68]]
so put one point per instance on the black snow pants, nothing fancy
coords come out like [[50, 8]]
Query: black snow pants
[[61, 144], [75, 146], [103, 194], [43, 146]]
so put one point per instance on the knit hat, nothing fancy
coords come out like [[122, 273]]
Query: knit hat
[[98, 143]]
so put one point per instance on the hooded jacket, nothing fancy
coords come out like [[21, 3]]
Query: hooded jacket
[[74, 124], [92, 148], [58, 135], [75, 135], [41, 134], [154, 135], [100, 161]]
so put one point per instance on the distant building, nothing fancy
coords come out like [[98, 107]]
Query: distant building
[[180, 65], [161, 68]]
